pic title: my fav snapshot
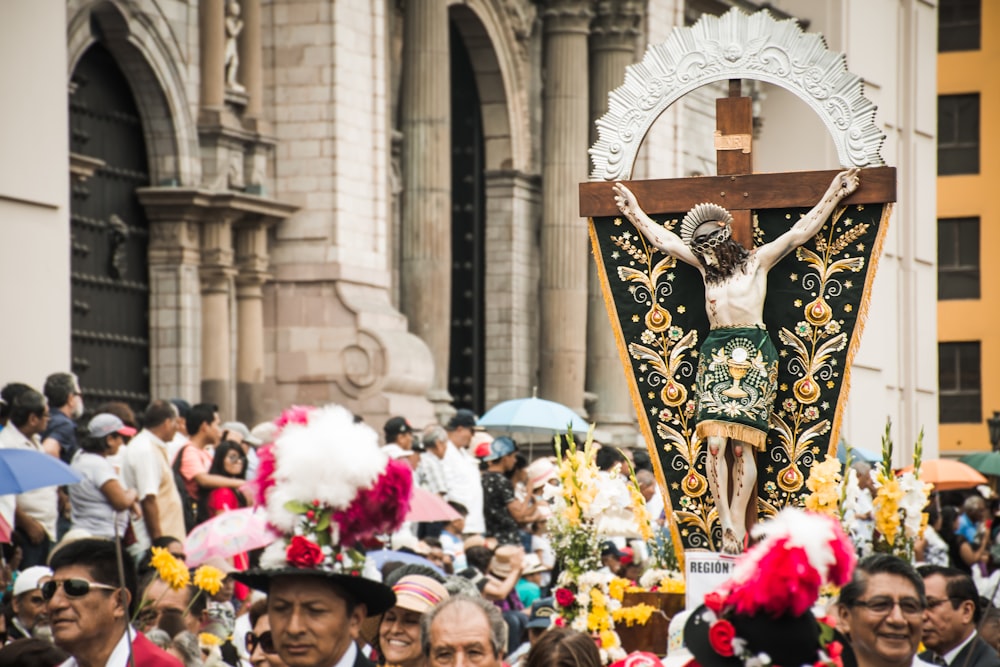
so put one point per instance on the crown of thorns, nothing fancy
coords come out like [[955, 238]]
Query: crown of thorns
[[698, 216]]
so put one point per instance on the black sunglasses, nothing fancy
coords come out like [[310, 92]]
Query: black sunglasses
[[73, 588], [264, 640]]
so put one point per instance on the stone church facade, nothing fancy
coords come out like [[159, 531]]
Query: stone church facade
[[372, 202]]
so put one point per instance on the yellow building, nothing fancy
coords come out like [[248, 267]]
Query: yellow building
[[968, 211]]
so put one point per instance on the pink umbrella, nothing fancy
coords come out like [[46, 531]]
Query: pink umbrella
[[427, 506], [228, 534]]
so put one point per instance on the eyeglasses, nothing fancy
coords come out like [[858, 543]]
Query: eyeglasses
[[884, 605], [264, 640], [73, 588]]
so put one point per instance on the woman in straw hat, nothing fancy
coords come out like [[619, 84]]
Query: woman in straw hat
[[398, 639]]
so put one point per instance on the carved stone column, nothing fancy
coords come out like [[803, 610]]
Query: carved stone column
[[174, 306], [216, 274], [425, 243], [565, 258], [615, 33], [212, 33], [251, 262], [251, 70]]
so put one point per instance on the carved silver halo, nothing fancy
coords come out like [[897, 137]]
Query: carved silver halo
[[737, 46], [698, 216]]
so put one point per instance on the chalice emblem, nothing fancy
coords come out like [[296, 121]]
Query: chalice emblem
[[738, 364]]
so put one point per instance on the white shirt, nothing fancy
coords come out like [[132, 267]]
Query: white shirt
[[42, 504], [465, 485], [350, 655], [118, 657]]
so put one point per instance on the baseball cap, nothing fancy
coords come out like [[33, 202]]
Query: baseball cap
[[543, 611], [29, 578], [396, 427], [609, 548], [105, 424], [463, 417], [500, 447], [242, 429]]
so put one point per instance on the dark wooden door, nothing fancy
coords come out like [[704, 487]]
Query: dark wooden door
[[109, 236], [466, 368]]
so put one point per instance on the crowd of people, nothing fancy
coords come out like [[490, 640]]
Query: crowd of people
[[82, 587]]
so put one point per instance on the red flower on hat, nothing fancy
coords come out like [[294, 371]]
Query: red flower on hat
[[565, 597], [715, 601], [720, 637], [303, 553]]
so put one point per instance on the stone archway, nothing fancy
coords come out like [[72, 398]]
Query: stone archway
[[143, 48]]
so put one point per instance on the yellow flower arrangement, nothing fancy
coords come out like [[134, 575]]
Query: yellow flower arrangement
[[636, 615], [170, 570], [886, 506], [824, 483], [609, 640], [618, 587], [208, 639], [598, 619], [672, 585], [208, 579]]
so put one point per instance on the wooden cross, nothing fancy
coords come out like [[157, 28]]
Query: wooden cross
[[736, 187]]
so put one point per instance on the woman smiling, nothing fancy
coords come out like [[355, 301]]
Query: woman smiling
[[399, 629]]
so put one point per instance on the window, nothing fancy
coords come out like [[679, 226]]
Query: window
[[958, 258], [959, 25], [958, 134], [959, 386]]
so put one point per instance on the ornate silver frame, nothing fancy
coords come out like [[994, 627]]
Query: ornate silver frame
[[737, 46]]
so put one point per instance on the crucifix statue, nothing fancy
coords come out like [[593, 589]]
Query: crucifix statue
[[735, 287], [738, 300]]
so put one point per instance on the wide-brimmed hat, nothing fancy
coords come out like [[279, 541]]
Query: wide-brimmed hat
[[502, 563], [327, 487], [762, 614], [533, 565], [540, 471]]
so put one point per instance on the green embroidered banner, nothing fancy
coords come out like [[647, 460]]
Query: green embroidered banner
[[816, 298]]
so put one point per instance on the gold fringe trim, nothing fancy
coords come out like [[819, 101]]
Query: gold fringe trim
[[633, 389], [859, 327], [748, 434]]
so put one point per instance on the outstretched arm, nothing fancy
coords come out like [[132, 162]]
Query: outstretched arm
[[658, 235], [842, 186]]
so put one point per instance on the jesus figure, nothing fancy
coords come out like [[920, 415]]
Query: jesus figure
[[738, 364]]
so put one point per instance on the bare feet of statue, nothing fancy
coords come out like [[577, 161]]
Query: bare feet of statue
[[730, 543]]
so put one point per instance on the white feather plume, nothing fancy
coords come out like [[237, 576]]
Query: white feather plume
[[329, 459]]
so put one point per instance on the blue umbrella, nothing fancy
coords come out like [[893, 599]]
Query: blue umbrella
[[383, 556], [532, 415], [24, 470], [857, 453]]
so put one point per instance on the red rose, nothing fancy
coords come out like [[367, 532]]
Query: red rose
[[565, 597], [834, 649], [560, 622], [714, 601], [720, 637], [303, 553]]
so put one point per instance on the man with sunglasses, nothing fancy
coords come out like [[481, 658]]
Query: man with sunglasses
[[89, 608], [881, 611], [951, 620]]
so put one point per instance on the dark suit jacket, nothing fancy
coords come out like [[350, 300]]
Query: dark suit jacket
[[976, 653], [361, 661]]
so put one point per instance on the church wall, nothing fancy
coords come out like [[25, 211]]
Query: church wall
[[34, 192]]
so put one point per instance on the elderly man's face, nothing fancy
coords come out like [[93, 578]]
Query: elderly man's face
[[460, 637], [77, 621], [310, 621], [884, 639], [30, 609], [945, 627]]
